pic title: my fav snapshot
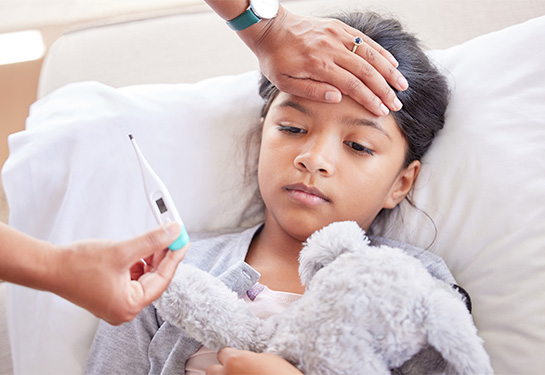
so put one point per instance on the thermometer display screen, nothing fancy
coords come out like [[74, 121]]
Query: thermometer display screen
[[161, 205]]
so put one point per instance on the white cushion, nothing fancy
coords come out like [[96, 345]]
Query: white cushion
[[73, 174]]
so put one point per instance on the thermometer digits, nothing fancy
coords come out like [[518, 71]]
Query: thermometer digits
[[159, 198]]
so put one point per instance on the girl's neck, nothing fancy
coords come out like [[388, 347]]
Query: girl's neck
[[275, 255]]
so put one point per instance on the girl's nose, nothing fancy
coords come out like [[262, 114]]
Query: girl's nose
[[318, 156]]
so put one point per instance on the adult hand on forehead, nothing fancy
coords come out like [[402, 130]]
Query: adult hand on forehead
[[312, 58]]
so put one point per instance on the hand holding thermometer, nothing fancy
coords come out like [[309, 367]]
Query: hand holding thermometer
[[159, 198]]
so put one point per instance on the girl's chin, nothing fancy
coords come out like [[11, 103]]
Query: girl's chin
[[303, 232]]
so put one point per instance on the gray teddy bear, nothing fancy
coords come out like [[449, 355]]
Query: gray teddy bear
[[366, 310]]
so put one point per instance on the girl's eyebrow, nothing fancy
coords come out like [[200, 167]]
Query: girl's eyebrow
[[292, 104], [368, 122]]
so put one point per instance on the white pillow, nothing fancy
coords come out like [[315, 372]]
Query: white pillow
[[74, 175]]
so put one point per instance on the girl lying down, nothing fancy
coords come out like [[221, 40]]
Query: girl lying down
[[317, 163]]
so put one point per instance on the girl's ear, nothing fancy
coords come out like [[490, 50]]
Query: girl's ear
[[403, 184]]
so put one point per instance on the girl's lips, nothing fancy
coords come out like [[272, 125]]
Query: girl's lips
[[307, 195]]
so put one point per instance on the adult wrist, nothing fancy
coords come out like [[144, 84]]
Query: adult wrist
[[257, 11], [254, 35], [56, 264]]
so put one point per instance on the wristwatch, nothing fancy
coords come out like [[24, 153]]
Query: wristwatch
[[257, 11]]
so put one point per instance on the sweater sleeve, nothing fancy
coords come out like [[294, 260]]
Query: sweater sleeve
[[123, 349]]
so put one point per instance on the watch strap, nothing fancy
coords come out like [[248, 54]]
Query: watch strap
[[243, 21]]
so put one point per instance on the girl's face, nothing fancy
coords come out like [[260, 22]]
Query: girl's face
[[321, 163]]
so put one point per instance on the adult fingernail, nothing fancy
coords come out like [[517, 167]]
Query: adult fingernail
[[394, 62], [172, 229], [333, 96], [403, 84], [397, 104], [384, 110]]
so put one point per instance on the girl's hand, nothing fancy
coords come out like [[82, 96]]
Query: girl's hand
[[241, 362], [312, 58]]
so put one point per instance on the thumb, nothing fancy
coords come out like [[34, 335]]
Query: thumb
[[225, 353], [153, 241]]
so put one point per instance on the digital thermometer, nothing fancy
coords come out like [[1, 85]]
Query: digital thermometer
[[159, 198]]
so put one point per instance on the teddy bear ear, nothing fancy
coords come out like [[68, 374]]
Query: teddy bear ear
[[326, 244]]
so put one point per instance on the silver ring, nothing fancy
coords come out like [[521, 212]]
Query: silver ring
[[357, 42]]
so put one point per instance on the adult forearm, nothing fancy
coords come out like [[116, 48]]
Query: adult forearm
[[25, 260], [229, 9]]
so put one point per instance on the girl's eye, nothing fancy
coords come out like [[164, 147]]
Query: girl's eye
[[290, 129], [356, 147]]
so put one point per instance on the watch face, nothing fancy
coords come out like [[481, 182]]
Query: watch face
[[265, 8]]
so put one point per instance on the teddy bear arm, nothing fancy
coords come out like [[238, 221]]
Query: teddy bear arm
[[209, 312], [452, 333]]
